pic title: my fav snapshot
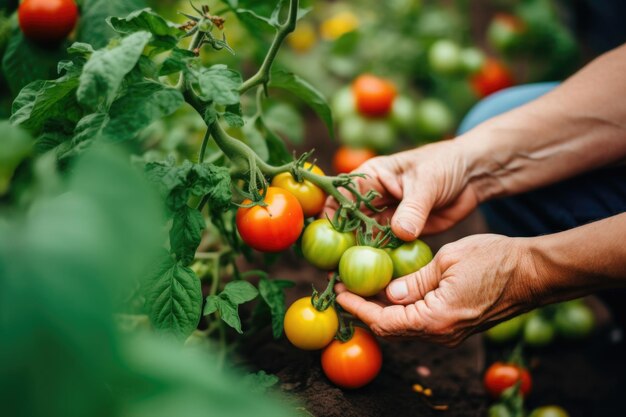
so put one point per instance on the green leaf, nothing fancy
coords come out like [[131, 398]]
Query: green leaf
[[260, 381], [239, 292], [25, 62], [89, 129], [104, 72], [173, 298], [255, 140], [285, 119], [93, 26], [15, 145], [277, 149], [306, 92], [227, 310], [234, 115], [165, 35], [186, 233], [176, 61], [273, 295], [219, 84]]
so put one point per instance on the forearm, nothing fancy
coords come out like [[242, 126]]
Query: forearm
[[578, 261], [579, 126]]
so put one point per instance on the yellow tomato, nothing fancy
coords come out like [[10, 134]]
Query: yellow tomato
[[338, 25], [308, 328], [310, 196], [303, 38]]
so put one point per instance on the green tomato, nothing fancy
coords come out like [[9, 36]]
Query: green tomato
[[472, 60], [434, 118], [444, 57], [403, 112], [323, 246], [343, 104], [365, 270], [506, 331], [574, 320], [409, 257], [359, 132], [549, 411], [538, 331], [498, 410]]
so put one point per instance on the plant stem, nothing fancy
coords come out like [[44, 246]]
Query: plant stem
[[205, 141], [262, 77]]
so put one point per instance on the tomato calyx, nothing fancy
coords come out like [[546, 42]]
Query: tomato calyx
[[322, 301], [345, 332]]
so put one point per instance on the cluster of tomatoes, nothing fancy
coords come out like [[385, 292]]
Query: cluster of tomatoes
[[47, 22]]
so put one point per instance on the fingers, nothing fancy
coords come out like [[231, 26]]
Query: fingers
[[414, 287], [366, 311], [413, 211]]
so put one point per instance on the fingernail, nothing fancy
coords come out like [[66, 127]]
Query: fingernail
[[409, 228], [398, 290]]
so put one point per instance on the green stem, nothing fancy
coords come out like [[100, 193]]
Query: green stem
[[205, 141], [196, 41], [262, 77]]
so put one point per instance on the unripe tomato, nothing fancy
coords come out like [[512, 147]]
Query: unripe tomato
[[373, 95], [274, 227], [359, 132], [347, 159], [493, 76], [308, 328], [505, 32], [354, 363], [444, 57], [538, 331], [323, 246], [501, 376], [338, 25], [472, 60], [303, 38], [47, 21], [410, 257], [309, 195], [343, 104], [549, 411], [507, 330], [574, 320], [403, 112], [365, 270], [433, 118]]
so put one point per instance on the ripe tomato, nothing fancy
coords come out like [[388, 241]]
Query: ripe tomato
[[308, 328], [444, 57], [374, 96], [365, 270], [347, 159], [309, 195], [507, 330], [549, 411], [538, 331], [574, 320], [354, 363], [501, 376], [47, 21], [494, 76], [272, 228], [323, 246], [504, 32], [409, 257]]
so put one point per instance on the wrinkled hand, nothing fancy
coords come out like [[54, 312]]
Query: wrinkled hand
[[469, 286], [426, 190]]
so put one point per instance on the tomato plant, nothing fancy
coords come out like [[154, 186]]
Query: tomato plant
[[500, 376], [348, 159], [574, 320], [538, 331], [352, 363], [549, 411], [359, 132], [493, 77], [47, 21], [272, 227], [374, 96], [444, 57], [410, 257], [308, 328], [508, 330], [365, 270], [323, 245], [505, 32], [310, 196]]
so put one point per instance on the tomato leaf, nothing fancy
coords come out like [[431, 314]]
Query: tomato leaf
[[227, 310], [173, 298], [186, 233], [239, 292], [260, 381], [306, 92], [176, 61], [217, 84], [93, 27], [104, 72], [165, 35], [15, 145], [234, 115], [273, 296], [255, 140], [285, 119]]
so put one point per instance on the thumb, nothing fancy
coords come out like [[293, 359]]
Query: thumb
[[413, 287], [412, 212]]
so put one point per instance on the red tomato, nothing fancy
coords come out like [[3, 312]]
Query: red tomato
[[272, 228], [47, 21], [347, 159], [501, 376], [493, 76], [354, 363], [374, 96]]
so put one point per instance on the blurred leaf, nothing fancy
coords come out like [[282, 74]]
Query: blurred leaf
[[176, 61], [285, 119], [272, 293], [260, 381], [165, 35], [15, 145], [93, 27]]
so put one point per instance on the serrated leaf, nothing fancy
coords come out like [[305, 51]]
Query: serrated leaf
[[260, 381], [176, 61], [219, 84], [186, 233], [284, 119], [234, 115], [165, 35], [173, 298], [104, 72], [305, 91], [227, 310], [239, 292], [93, 26], [89, 129], [271, 292]]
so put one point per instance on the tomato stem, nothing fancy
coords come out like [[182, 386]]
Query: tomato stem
[[344, 333], [324, 300]]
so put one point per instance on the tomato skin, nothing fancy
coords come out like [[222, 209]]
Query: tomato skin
[[308, 328], [403, 112], [365, 270], [574, 320], [272, 228], [434, 118], [472, 60], [549, 411], [538, 331], [309, 195], [357, 131], [444, 57], [410, 257], [507, 330], [493, 77], [348, 159], [373, 96], [354, 363], [323, 246], [505, 32], [501, 376], [343, 104], [47, 21]]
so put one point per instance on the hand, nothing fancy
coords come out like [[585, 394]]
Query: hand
[[426, 189], [470, 285]]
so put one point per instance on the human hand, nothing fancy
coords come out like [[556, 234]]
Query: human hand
[[470, 285], [426, 190]]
